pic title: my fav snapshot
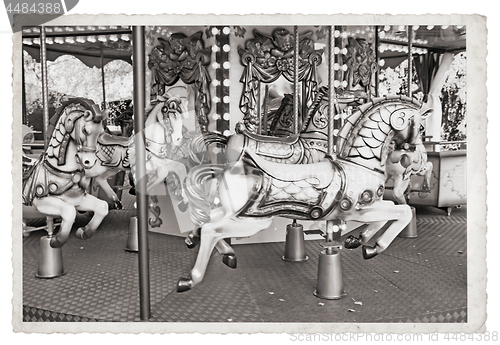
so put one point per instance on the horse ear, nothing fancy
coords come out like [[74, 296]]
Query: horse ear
[[88, 115]]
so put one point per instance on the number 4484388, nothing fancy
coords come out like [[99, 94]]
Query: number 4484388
[[40, 7]]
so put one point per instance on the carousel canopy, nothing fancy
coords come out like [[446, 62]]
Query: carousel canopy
[[93, 45], [393, 46], [89, 43]]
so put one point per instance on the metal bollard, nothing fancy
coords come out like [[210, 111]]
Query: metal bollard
[[133, 236], [50, 261], [329, 284], [411, 229], [295, 249]]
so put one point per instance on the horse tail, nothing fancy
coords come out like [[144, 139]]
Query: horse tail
[[196, 191], [200, 144]]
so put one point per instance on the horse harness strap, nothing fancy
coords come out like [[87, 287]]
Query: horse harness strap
[[48, 180], [159, 150]]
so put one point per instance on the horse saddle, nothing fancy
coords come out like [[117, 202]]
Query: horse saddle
[[275, 148], [42, 179], [318, 174], [107, 139]]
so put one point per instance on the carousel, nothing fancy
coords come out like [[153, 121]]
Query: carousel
[[245, 174]]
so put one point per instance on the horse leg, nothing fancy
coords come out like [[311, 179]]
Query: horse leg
[[207, 243], [102, 181], [56, 207], [383, 211], [352, 242], [100, 209], [193, 238], [426, 184], [213, 233], [228, 258], [400, 186]]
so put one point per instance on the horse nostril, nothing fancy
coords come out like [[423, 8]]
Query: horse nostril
[[87, 162]]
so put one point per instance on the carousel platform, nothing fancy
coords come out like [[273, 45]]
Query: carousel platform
[[415, 280]]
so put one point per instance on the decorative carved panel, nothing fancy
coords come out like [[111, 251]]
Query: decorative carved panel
[[266, 59], [185, 58]]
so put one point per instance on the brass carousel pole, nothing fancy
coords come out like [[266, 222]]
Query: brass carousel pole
[[329, 284], [296, 86], [377, 59], [101, 58], [410, 60], [142, 197], [45, 91], [50, 263], [295, 249], [410, 231]]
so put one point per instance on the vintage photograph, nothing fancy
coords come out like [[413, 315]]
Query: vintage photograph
[[248, 175]]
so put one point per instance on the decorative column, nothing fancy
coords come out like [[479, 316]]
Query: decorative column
[[296, 85], [222, 82]]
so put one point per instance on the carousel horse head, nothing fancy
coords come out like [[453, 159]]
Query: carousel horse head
[[170, 113], [408, 126], [80, 122]]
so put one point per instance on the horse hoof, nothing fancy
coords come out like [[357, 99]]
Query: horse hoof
[[369, 252], [118, 205], [352, 242], [229, 260], [182, 206], [184, 284], [192, 241], [80, 233], [54, 243]]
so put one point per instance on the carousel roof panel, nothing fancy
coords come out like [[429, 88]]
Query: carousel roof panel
[[87, 43]]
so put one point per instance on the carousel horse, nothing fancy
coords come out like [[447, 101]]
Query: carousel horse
[[310, 146], [252, 190], [56, 183], [404, 163], [163, 130]]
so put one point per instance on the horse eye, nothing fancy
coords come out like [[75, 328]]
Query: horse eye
[[85, 131], [164, 110]]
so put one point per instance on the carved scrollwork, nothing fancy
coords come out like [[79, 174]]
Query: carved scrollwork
[[267, 58], [186, 58], [361, 64]]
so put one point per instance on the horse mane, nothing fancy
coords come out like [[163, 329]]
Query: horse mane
[[59, 131], [361, 124]]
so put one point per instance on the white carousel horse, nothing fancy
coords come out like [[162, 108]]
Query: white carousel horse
[[163, 130], [310, 146], [56, 183], [404, 163], [254, 190]]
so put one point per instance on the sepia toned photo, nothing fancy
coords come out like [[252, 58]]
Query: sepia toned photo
[[281, 174]]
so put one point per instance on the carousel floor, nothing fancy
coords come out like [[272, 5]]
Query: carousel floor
[[415, 280]]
